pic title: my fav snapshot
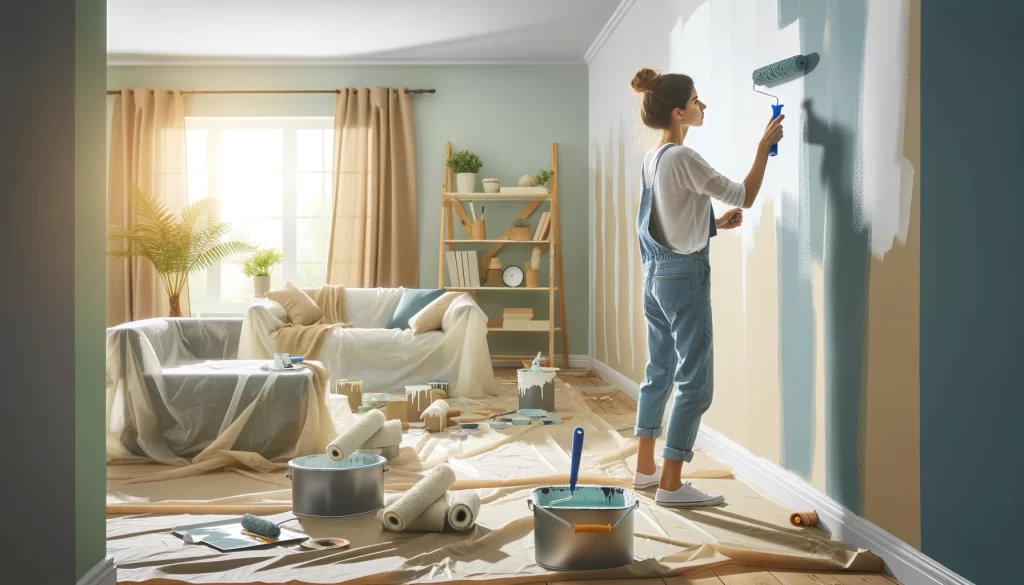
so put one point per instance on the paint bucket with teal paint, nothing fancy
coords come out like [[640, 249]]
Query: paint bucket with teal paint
[[591, 530]]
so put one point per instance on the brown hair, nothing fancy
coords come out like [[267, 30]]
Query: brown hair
[[662, 94]]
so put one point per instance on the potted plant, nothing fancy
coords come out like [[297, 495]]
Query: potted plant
[[259, 266], [520, 230], [541, 179], [465, 164], [176, 247]]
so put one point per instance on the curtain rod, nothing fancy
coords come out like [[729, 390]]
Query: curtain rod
[[255, 91]]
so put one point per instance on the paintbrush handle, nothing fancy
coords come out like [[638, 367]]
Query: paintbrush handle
[[577, 453]]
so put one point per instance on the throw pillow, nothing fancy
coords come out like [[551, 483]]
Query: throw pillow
[[413, 300], [301, 308], [431, 316]]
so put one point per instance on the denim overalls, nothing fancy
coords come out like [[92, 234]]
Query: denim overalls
[[677, 304]]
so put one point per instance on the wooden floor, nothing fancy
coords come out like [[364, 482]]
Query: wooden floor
[[602, 398], [745, 575]]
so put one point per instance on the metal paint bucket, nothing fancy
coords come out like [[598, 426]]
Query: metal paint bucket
[[537, 390], [327, 488], [591, 530]]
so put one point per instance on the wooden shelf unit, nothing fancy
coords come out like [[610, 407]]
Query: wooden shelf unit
[[451, 205]]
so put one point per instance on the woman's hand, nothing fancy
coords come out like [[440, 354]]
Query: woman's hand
[[730, 219], [772, 133]]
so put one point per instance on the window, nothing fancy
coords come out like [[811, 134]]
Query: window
[[273, 179]]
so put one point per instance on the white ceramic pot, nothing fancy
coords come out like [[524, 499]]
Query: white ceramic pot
[[260, 286], [466, 182], [492, 185]]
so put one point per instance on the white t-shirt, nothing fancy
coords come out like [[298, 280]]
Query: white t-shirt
[[681, 206]]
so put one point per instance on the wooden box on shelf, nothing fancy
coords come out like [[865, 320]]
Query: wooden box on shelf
[[519, 234]]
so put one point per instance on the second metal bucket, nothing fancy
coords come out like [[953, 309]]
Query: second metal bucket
[[592, 530], [537, 389]]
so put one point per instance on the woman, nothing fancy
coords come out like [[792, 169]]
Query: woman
[[674, 225]]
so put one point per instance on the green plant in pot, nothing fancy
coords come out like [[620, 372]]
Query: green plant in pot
[[541, 179], [465, 164], [176, 246], [259, 266]]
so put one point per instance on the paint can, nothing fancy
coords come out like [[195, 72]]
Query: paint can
[[537, 389]]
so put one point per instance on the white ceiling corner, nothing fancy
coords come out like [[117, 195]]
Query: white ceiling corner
[[359, 31], [609, 28]]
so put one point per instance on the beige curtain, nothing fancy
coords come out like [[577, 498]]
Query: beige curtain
[[147, 148], [373, 228]]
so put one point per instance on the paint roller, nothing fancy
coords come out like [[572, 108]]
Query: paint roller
[[775, 73]]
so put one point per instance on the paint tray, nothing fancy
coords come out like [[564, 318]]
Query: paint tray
[[533, 412], [228, 535]]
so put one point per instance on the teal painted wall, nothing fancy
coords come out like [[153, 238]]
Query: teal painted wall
[[90, 283], [509, 115], [971, 287]]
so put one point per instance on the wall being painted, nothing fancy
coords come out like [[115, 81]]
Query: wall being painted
[[509, 115], [816, 296]]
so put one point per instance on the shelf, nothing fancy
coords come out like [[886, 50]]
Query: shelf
[[499, 196], [523, 330], [535, 242], [494, 288]]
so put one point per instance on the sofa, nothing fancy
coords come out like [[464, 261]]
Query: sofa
[[175, 386], [387, 360]]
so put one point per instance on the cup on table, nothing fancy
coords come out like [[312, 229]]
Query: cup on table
[[282, 360]]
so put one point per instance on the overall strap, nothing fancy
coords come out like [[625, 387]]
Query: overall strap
[[657, 161]]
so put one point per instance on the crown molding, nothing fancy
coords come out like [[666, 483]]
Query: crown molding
[[609, 28]]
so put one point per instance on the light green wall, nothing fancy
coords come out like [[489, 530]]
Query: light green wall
[[509, 115], [90, 284]]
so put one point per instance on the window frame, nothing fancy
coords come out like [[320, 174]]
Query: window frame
[[289, 126]]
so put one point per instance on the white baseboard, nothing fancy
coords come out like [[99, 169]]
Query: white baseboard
[[575, 361], [102, 573], [904, 562]]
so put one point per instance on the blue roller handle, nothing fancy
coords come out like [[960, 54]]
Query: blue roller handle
[[776, 110], [577, 452]]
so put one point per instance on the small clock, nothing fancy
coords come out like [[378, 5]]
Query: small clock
[[512, 276]]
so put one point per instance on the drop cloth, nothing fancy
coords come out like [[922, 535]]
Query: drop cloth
[[504, 466], [387, 360]]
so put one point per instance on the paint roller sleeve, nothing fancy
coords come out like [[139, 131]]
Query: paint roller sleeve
[[780, 70]]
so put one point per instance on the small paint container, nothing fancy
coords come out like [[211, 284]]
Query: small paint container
[[551, 420], [469, 426], [499, 425]]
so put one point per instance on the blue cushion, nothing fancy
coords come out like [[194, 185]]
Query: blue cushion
[[413, 301]]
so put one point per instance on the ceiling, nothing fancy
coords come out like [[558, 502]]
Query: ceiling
[[355, 31]]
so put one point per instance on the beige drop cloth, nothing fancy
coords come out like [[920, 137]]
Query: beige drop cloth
[[504, 466]]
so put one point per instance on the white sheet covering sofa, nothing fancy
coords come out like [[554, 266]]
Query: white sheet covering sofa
[[387, 360]]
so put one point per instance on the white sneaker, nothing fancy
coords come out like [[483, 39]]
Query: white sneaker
[[642, 481], [686, 497]]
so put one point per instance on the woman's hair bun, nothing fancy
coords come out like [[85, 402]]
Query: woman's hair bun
[[645, 80]]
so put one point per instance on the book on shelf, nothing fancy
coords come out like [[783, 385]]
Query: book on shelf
[[454, 280], [474, 269], [539, 233]]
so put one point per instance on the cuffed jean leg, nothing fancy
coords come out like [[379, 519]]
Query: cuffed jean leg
[[694, 375], [661, 367]]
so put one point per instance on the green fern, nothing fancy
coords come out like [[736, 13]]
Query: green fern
[[261, 263], [176, 247]]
